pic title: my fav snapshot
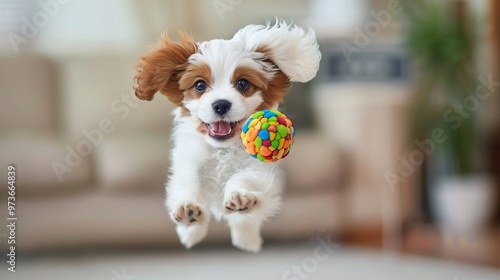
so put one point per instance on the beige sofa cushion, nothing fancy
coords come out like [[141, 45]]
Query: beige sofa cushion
[[313, 163], [36, 156], [100, 87], [134, 161], [140, 162], [97, 220], [27, 87]]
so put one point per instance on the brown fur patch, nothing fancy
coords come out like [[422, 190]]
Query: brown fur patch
[[194, 73], [276, 90], [272, 91], [201, 127], [277, 87], [162, 68], [184, 112], [257, 80]]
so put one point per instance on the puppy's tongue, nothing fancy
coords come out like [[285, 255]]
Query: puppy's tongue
[[220, 128]]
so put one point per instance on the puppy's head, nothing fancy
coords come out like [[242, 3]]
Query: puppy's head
[[220, 83]]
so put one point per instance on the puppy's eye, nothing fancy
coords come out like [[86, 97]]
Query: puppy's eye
[[200, 86], [242, 85]]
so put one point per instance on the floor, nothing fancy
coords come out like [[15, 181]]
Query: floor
[[428, 240], [316, 260]]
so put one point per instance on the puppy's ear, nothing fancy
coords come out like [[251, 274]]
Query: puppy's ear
[[161, 68], [293, 50]]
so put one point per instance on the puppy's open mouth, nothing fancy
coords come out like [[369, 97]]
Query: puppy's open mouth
[[221, 130]]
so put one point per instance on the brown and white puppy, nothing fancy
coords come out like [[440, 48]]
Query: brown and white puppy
[[217, 85]]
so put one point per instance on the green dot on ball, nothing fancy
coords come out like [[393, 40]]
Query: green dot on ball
[[258, 142], [264, 126], [282, 130], [261, 157], [258, 114], [275, 143]]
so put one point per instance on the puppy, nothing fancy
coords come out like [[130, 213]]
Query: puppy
[[217, 85]]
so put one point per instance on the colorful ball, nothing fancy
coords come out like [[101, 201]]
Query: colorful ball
[[268, 135]]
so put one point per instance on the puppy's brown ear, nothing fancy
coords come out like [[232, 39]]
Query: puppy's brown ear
[[161, 68]]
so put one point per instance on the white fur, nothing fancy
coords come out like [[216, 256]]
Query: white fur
[[208, 174], [294, 50]]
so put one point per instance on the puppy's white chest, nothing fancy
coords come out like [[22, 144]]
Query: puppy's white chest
[[223, 163]]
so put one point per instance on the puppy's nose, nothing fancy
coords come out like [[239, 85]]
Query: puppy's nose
[[221, 107]]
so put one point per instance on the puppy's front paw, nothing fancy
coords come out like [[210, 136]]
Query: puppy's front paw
[[188, 213], [191, 235], [247, 241], [239, 201]]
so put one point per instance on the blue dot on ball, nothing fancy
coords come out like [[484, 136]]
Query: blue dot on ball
[[245, 127], [269, 114], [264, 134]]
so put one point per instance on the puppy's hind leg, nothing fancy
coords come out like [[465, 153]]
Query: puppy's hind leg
[[191, 235], [245, 232], [251, 197]]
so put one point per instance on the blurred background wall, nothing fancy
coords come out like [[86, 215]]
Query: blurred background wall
[[398, 140]]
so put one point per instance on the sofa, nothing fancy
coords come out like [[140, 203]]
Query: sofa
[[92, 160]]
